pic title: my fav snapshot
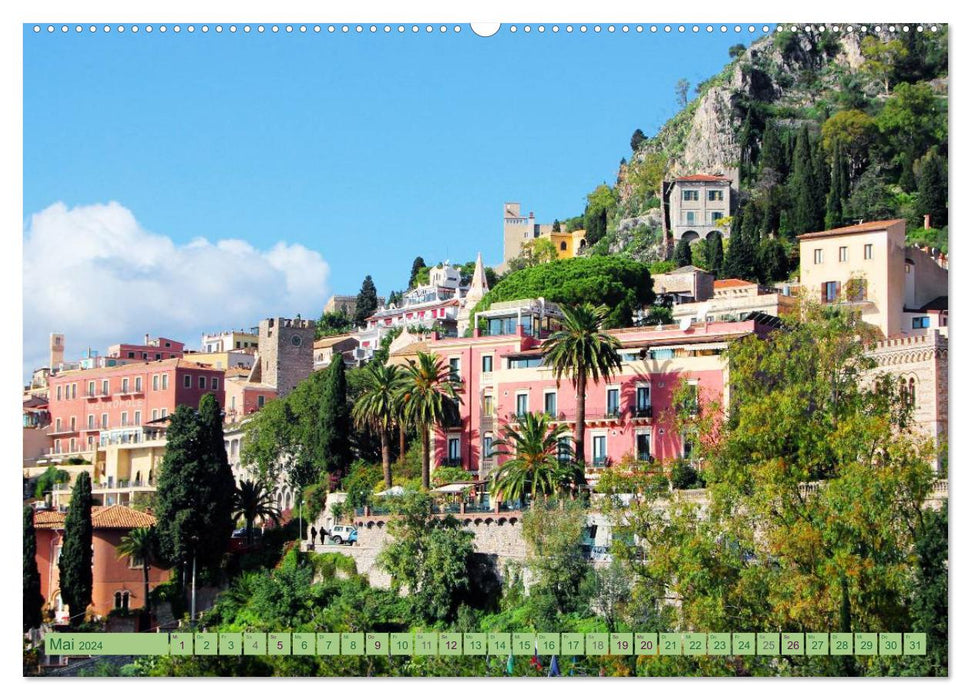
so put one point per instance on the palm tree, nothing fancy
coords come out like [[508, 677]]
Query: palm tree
[[379, 407], [252, 501], [582, 351], [140, 544], [537, 466], [428, 398]]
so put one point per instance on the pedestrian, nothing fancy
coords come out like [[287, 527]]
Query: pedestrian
[[313, 534]]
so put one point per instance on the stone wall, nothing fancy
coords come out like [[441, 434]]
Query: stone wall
[[286, 352]]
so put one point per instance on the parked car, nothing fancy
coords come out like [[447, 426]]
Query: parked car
[[343, 534]]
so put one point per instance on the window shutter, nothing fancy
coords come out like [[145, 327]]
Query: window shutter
[[837, 292], [822, 293]]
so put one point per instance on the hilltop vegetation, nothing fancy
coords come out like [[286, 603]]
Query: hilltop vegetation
[[816, 129]]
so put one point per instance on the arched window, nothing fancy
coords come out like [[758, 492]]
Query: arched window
[[562, 245], [912, 391]]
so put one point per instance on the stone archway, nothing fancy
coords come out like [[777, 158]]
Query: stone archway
[[690, 236]]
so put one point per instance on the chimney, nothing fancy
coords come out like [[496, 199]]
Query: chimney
[[146, 339], [927, 221]]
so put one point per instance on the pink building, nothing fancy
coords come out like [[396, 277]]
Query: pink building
[[629, 417], [151, 349], [84, 404]]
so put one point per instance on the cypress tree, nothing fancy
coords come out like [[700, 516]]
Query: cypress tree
[[367, 301], [76, 576], [716, 254], [838, 189], [773, 155], [932, 190], [802, 186], [740, 261], [682, 253], [416, 266], [820, 184], [332, 449], [33, 600], [773, 264], [750, 222], [595, 223], [219, 481]]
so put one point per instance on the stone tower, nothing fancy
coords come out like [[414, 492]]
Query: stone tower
[[286, 352], [57, 350]]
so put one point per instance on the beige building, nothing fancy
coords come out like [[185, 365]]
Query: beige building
[[900, 289], [326, 348], [685, 284], [871, 268], [345, 303], [227, 341], [518, 230], [696, 205]]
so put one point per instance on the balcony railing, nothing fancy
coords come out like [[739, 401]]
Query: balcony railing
[[451, 462], [643, 412]]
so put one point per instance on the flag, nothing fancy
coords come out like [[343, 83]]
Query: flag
[[554, 667], [535, 662], [509, 664]]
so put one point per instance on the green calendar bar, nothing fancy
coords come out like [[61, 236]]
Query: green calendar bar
[[817, 644], [304, 644], [328, 644], [493, 643], [475, 644], [254, 643], [573, 643], [548, 643], [180, 644], [598, 644], [230, 643], [450, 644], [206, 643], [106, 643], [278, 643], [719, 643]]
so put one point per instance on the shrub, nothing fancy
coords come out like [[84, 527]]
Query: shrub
[[685, 476]]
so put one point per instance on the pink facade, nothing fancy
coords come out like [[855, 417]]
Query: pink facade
[[85, 403], [151, 349], [628, 418], [244, 398]]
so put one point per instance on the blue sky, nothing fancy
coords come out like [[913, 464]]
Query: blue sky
[[356, 152]]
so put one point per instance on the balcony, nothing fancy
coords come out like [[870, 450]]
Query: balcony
[[96, 394], [63, 431], [124, 485], [450, 462]]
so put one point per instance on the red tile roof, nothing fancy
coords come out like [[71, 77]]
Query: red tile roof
[[702, 178], [732, 282], [866, 227], [116, 517]]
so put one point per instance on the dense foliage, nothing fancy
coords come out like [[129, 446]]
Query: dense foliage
[[74, 566]]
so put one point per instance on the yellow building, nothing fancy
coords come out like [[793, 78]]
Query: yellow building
[[568, 245], [223, 359]]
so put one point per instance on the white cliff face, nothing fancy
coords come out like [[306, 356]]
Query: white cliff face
[[711, 146]]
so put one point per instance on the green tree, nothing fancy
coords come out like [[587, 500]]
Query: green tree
[[803, 187], [379, 407], [881, 58], [736, 50], [218, 474], [416, 266], [681, 90], [601, 279], [582, 351], [332, 449], [429, 556], [773, 261], [194, 516], [140, 545], [717, 255], [428, 399], [839, 189], [554, 554], [46, 481], [912, 120], [74, 566], [33, 600], [929, 597], [636, 140], [252, 501], [335, 323], [538, 463], [850, 133], [741, 260], [870, 199], [932, 189], [682, 253], [367, 302]]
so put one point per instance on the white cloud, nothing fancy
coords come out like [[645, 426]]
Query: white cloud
[[93, 273]]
